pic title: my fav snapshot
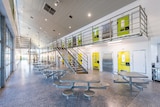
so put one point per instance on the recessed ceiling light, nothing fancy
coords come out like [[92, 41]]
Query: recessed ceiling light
[[59, 33], [45, 19], [70, 27], [55, 4], [89, 15], [40, 28]]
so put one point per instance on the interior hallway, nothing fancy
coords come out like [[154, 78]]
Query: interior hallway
[[26, 88]]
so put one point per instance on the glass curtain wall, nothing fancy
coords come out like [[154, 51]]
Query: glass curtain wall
[[0, 52], [8, 53]]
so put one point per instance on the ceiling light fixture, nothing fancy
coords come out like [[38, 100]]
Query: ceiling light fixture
[[45, 19], [40, 28], [56, 3], [89, 15], [112, 42], [59, 33], [70, 27]]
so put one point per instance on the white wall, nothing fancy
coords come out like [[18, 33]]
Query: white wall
[[155, 48], [152, 10]]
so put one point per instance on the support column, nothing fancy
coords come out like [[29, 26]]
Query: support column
[[3, 45], [30, 52], [0, 53], [13, 53]]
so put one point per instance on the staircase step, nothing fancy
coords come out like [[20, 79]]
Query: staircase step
[[78, 69], [81, 72]]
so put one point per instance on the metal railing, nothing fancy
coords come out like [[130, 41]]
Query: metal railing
[[70, 60], [64, 54], [80, 56], [137, 26], [77, 65]]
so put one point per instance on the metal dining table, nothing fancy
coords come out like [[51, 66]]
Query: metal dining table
[[52, 71], [81, 78], [130, 76]]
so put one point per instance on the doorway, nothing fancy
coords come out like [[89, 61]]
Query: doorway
[[95, 60], [80, 58], [124, 61], [139, 61], [107, 62]]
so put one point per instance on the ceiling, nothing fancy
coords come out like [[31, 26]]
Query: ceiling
[[43, 28]]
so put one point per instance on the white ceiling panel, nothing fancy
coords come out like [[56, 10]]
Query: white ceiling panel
[[31, 16]]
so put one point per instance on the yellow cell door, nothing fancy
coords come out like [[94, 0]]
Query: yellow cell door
[[62, 59], [80, 58], [124, 61], [70, 59], [95, 60]]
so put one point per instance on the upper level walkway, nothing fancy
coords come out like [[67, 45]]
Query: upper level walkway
[[26, 88]]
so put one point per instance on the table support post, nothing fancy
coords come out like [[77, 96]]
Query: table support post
[[88, 86], [130, 83], [72, 85]]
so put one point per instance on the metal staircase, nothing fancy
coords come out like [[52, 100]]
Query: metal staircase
[[73, 60], [80, 57], [64, 54]]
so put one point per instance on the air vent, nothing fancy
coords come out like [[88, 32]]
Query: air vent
[[52, 11], [49, 9]]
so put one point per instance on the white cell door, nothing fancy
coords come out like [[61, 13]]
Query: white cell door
[[139, 61]]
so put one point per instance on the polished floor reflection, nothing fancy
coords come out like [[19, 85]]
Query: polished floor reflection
[[26, 88]]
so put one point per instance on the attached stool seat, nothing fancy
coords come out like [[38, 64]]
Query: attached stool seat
[[56, 83], [67, 93], [89, 93]]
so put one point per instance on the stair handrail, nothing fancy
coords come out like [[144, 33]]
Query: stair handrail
[[84, 56], [66, 61], [76, 61]]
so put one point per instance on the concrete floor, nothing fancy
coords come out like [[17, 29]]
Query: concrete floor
[[26, 88]]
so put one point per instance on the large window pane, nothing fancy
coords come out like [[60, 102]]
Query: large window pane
[[0, 27], [0, 54]]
